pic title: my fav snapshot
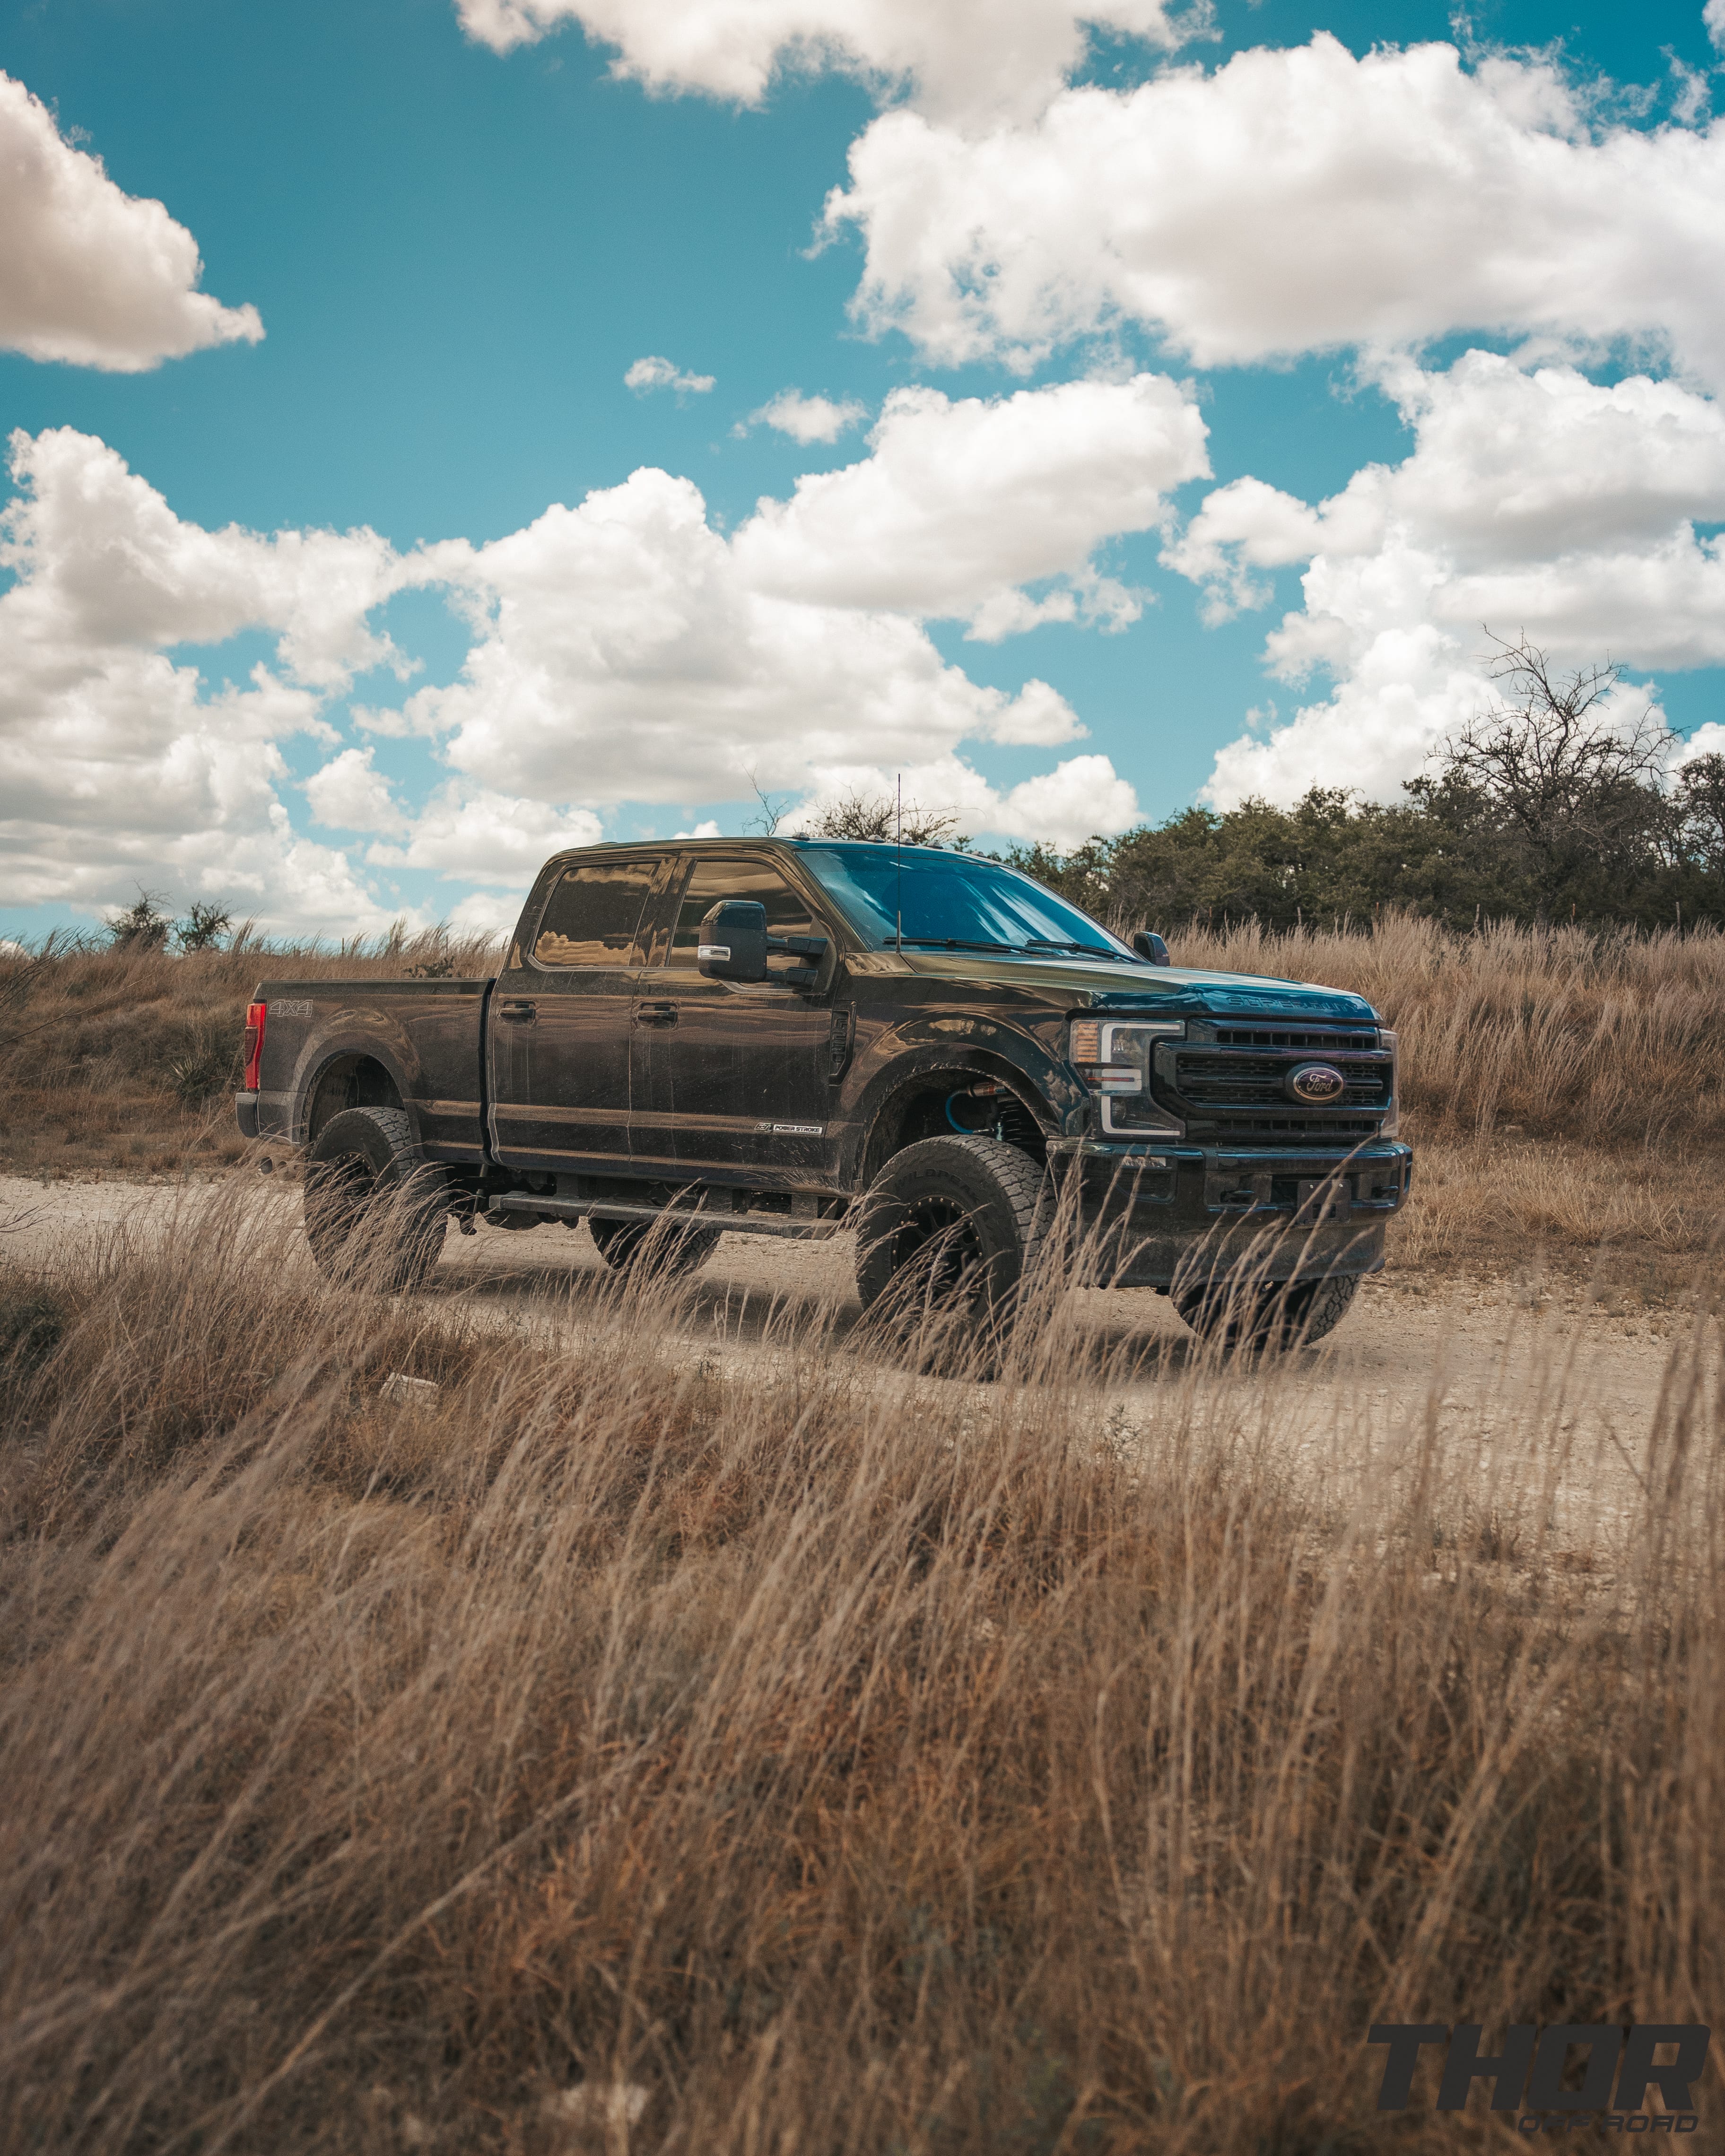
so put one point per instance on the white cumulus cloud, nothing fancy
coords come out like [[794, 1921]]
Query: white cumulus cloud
[[1294, 200], [89, 274], [957, 57], [957, 504], [654, 372], [809, 418], [482, 837], [626, 652], [348, 794], [115, 765], [619, 652], [1535, 500], [1082, 797]]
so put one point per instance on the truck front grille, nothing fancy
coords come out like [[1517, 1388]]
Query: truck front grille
[[1302, 1044], [1231, 1083], [1276, 1130], [1239, 1081]]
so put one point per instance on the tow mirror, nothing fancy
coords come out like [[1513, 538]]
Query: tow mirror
[[733, 941], [1149, 945]]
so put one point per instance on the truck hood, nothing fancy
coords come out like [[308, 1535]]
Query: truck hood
[[1168, 990]]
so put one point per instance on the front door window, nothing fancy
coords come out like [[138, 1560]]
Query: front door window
[[709, 881]]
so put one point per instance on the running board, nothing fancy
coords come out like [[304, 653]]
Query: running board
[[613, 1208]]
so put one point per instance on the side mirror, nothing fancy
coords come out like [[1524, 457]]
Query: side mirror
[[733, 941], [1149, 945]]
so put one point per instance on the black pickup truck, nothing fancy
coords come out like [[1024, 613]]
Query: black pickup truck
[[787, 1036]]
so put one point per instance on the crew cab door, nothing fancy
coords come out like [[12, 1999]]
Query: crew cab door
[[559, 1031], [730, 1079]]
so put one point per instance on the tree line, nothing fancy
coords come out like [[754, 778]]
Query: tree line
[[1548, 807]]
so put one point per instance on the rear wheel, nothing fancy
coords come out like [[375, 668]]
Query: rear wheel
[[1268, 1316], [376, 1208], [948, 1232], [650, 1250]]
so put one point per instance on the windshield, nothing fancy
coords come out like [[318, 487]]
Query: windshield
[[954, 901]]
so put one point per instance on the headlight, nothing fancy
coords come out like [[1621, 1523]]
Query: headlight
[[1112, 1057]]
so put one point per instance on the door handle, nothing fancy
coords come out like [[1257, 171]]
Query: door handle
[[656, 1014], [517, 1014]]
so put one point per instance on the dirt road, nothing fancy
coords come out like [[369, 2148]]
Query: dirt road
[[1521, 1373]]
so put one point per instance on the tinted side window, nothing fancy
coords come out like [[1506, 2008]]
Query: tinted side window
[[708, 882], [592, 914]]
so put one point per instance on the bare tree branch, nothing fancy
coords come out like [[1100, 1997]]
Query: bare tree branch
[[1564, 775], [858, 815]]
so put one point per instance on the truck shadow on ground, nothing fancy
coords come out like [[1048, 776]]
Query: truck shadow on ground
[[722, 1308]]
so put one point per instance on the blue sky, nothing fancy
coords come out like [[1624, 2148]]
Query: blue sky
[[456, 251]]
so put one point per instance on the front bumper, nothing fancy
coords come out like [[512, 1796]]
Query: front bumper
[[1157, 1217]]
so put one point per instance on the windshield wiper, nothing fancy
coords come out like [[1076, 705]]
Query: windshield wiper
[[1031, 943], [950, 944], [1047, 944]]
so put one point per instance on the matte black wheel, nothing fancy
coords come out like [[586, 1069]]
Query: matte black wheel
[[376, 1208], [643, 1248], [948, 1232], [1271, 1316]]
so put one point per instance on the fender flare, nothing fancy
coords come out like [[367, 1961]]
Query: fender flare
[[911, 1074], [320, 1055]]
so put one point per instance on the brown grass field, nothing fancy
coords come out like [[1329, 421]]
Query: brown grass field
[[611, 1749]]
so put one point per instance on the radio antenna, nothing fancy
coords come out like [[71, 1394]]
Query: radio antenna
[[899, 864]]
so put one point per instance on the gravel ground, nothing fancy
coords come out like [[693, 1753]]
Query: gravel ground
[[1557, 1398]]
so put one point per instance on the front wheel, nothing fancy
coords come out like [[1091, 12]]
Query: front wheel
[[949, 1231], [376, 1208], [1269, 1317]]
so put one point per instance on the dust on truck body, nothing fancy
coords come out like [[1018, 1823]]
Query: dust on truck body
[[783, 1036]]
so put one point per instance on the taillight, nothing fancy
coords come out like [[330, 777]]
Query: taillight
[[256, 1014]]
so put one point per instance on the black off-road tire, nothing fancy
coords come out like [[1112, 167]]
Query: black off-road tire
[[949, 1231], [644, 1251], [376, 1208], [1270, 1318]]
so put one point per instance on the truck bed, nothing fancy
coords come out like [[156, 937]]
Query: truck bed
[[324, 1037]]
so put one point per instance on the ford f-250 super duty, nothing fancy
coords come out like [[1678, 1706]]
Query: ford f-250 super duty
[[782, 1036]]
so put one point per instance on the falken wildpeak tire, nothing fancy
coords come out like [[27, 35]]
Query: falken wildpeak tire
[[642, 1248], [1269, 1317], [949, 1230], [376, 1208]]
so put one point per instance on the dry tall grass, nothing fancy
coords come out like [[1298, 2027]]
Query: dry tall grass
[[119, 1057], [598, 1752]]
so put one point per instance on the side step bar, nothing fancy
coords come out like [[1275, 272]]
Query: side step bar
[[697, 1216]]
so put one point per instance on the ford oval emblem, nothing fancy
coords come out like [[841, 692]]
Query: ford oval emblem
[[1317, 1084]]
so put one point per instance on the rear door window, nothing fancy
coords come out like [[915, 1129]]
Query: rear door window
[[708, 882], [594, 914]]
